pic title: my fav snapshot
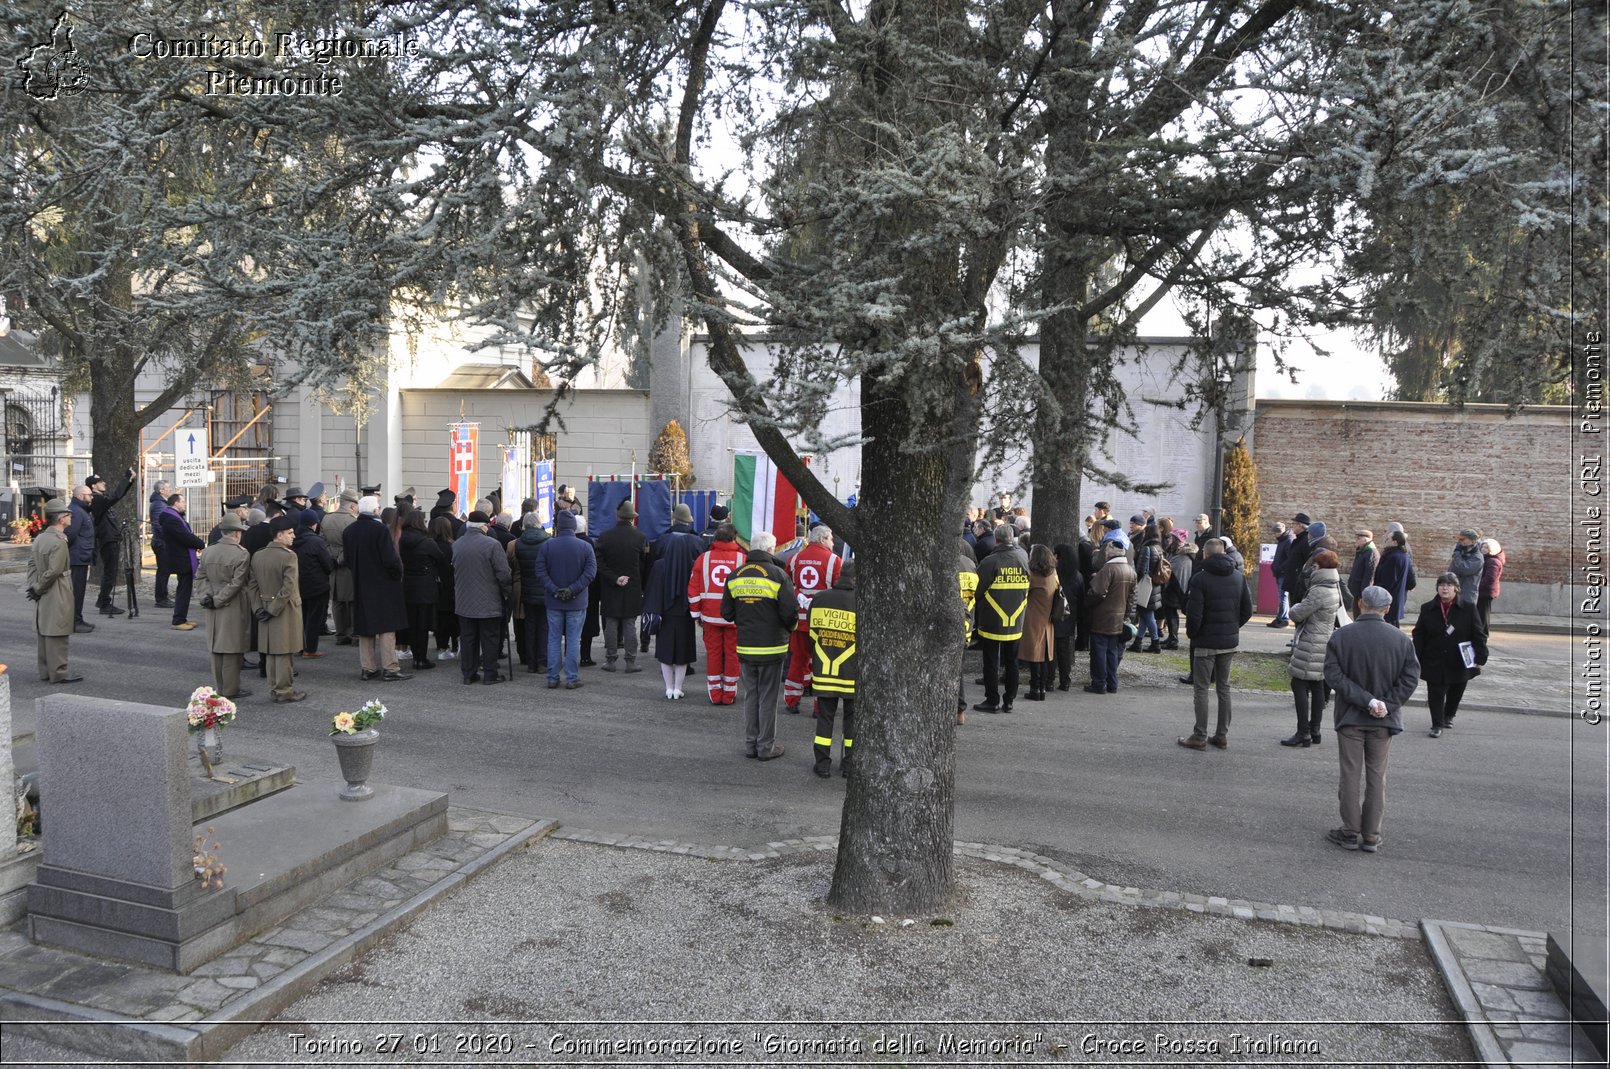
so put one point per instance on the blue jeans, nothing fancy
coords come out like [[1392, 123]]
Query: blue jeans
[[1105, 653], [1281, 608], [1148, 624], [565, 625]]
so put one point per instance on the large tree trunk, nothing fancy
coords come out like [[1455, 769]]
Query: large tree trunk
[[113, 417], [1064, 429], [896, 836]]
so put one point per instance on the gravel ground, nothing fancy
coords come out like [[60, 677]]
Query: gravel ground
[[552, 957]]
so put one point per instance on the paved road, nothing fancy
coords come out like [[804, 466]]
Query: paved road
[[1483, 825]]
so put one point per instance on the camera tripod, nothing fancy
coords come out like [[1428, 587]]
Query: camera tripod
[[131, 571]]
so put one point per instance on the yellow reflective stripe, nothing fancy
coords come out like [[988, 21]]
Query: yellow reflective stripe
[[824, 742], [753, 586], [833, 686], [1006, 621], [763, 650], [831, 665], [848, 743], [1000, 638]]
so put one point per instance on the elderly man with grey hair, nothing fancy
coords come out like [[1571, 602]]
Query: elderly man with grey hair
[[1372, 668]]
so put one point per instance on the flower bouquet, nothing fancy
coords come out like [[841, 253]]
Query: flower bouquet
[[209, 710], [367, 716]]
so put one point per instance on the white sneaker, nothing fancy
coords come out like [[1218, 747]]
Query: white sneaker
[[670, 695], [676, 695]]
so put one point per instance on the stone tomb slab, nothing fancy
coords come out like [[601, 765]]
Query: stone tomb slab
[[281, 852], [117, 876], [1577, 967]]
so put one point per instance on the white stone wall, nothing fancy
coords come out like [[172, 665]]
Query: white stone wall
[[602, 430], [1166, 448]]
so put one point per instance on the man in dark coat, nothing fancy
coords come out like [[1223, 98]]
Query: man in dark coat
[[1371, 667], [379, 609], [482, 588], [1283, 541], [1296, 557], [179, 545], [108, 535], [1216, 607], [154, 507], [81, 553], [621, 551], [1365, 559]]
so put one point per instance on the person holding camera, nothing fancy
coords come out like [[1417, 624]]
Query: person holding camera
[[108, 535], [279, 608]]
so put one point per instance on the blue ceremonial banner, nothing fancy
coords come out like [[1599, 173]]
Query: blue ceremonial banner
[[545, 492]]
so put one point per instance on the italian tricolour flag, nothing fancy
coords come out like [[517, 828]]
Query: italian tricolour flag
[[762, 498]]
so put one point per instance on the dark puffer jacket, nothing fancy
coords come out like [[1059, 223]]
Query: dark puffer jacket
[[1217, 605]]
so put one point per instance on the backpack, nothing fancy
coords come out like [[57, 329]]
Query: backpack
[[1162, 571]]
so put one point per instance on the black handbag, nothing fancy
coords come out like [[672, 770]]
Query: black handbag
[[1059, 606]]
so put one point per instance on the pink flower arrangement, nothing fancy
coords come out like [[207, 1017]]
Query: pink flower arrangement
[[209, 709]]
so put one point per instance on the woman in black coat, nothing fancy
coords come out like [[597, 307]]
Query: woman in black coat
[[422, 562], [313, 567], [1446, 622], [446, 624]]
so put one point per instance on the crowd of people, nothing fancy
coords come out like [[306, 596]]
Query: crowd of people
[[401, 581]]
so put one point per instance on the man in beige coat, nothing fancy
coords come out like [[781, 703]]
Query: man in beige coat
[[229, 596], [279, 608], [50, 585], [333, 528]]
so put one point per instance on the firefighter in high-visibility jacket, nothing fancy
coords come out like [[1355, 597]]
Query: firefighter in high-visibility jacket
[[967, 572], [831, 627], [759, 599], [813, 570], [706, 584], [1003, 593]]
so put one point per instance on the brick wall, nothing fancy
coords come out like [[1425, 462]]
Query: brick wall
[[1431, 468]]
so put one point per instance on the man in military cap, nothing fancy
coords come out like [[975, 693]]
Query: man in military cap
[[238, 507], [279, 608], [50, 587], [316, 502], [229, 596], [333, 529], [370, 491]]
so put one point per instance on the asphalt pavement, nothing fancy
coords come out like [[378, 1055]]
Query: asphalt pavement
[[1499, 822]]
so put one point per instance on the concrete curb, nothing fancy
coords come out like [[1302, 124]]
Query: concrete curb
[[208, 1038], [1464, 996], [1054, 872]]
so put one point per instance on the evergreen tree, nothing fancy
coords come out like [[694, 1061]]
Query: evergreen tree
[[1239, 515], [669, 455]]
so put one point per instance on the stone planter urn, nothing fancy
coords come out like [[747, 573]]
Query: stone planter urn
[[356, 752]]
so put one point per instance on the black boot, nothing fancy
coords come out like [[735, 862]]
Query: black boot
[[1155, 647], [1134, 647]]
